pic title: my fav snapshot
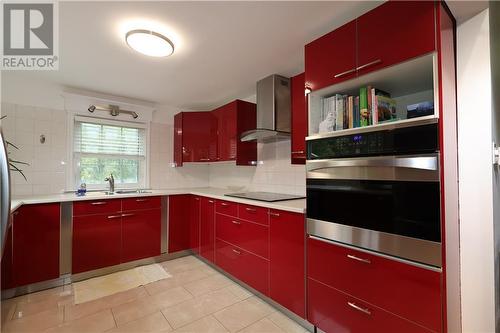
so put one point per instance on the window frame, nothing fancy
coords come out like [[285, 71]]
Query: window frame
[[72, 179]]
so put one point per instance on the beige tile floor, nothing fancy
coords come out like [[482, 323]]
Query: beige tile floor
[[196, 298]]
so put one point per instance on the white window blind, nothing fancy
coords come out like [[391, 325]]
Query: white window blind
[[104, 147]]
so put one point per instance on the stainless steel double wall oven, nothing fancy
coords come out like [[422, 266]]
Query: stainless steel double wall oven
[[378, 190]]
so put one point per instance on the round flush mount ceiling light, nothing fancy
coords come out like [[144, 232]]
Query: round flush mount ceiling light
[[149, 43]]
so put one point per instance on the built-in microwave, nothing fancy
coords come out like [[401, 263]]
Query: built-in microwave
[[379, 191]]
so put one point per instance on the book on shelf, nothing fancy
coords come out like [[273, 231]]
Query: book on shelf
[[386, 108], [340, 112], [356, 111], [363, 107], [420, 109]]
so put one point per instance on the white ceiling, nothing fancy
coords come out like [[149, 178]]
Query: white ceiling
[[222, 48]]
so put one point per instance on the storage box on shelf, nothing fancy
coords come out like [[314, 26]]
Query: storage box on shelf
[[408, 83], [213, 136]]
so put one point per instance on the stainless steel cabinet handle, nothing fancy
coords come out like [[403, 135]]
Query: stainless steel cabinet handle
[[197, 199], [99, 203], [210, 201], [141, 200], [236, 222], [357, 307], [237, 252], [353, 257], [204, 159], [298, 152], [274, 214], [224, 204], [369, 64], [114, 216], [125, 215], [252, 210], [345, 73]]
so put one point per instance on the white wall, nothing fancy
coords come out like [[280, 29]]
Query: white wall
[[275, 174], [475, 175]]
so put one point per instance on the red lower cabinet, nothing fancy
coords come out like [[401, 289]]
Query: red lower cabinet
[[178, 222], [407, 290], [97, 241], [194, 223], [287, 256], [141, 234], [207, 229], [35, 248], [336, 312], [7, 269], [247, 267]]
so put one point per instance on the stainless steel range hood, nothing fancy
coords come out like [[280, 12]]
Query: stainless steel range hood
[[273, 111]]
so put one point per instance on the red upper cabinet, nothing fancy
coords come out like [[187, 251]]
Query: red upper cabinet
[[233, 119], [207, 231], [36, 233], [331, 58], [178, 222], [178, 140], [214, 136], [194, 223], [299, 119], [199, 137], [394, 32], [287, 257]]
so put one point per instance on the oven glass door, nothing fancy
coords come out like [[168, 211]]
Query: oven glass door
[[406, 208]]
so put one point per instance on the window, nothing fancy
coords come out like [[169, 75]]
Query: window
[[102, 147]]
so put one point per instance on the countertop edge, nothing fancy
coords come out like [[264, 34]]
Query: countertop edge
[[295, 206]]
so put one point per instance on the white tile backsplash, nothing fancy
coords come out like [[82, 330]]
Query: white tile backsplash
[[48, 166]]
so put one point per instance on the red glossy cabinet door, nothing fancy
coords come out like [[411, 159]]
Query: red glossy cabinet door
[[178, 140], [332, 58], [287, 256], [178, 222], [199, 137], [141, 234], [97, 241], [389, 284], [207, 232], [226, 126], [194, 223], [36, 233], [299, 119], [335, 312], [7, 268], [394, 32]]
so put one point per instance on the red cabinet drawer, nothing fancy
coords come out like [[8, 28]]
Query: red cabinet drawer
[[141, 234], [253, 213], [97, 241], [141, 203], [250, 236], [96, 207], [247, 267], [336, 312], [406, 290], [226, 207]]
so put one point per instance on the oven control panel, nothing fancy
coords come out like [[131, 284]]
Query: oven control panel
[[418, 139]]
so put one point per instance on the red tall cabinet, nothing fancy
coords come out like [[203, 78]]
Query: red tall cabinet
[[207, 229], [299, 119], [179, 214]]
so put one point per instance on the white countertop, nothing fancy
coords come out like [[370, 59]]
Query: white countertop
[[297, 206]]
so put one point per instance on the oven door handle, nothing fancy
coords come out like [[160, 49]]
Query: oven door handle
[[421, 162]]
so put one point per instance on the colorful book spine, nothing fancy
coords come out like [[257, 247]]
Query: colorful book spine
[[351, 112], [363, 107], [356, 111], [374, 111], [340, 113]]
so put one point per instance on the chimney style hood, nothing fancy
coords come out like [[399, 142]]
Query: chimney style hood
[[273, 111]]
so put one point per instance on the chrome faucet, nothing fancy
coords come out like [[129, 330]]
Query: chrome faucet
[[111, 181]]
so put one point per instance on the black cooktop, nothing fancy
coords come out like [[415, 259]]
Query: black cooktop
[[265, 196]]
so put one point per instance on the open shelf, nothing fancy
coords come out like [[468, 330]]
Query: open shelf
[[410, 82]]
